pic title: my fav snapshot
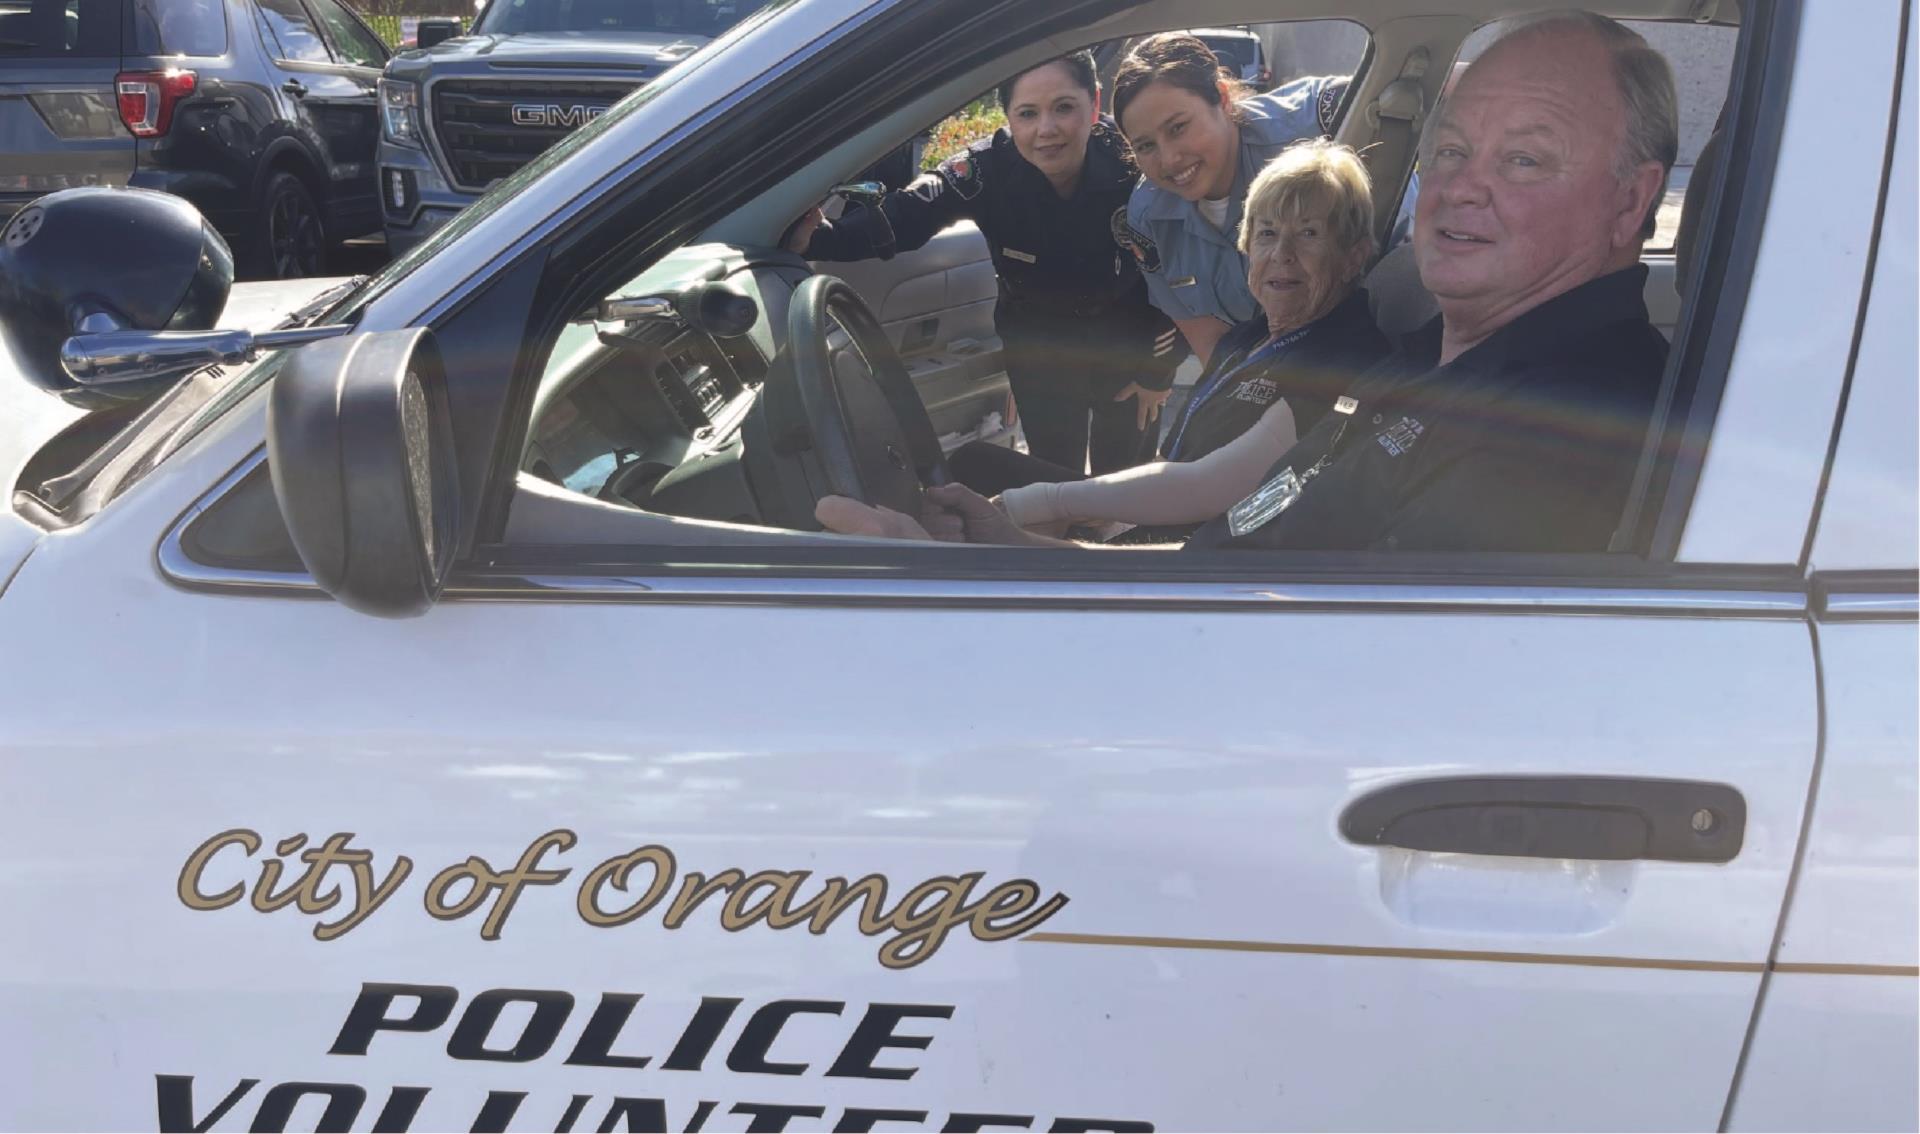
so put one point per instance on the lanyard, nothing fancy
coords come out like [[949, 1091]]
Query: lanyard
[[1201, 393]]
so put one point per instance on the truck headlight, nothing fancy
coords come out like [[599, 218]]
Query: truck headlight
[[400, 112]]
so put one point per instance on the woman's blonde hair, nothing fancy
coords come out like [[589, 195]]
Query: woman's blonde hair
[[1317, 175]]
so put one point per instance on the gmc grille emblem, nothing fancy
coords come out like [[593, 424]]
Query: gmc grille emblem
[[547, 114]]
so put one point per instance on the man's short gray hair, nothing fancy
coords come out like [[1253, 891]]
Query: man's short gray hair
[[1646, 87]]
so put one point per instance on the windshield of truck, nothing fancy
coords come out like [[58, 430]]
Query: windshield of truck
[[705, 18]]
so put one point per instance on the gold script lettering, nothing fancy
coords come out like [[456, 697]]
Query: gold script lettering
[[189, 887]]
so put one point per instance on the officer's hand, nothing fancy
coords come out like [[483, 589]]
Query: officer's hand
[[1148, 409], [983, 520], [801, 234], [848, 516]]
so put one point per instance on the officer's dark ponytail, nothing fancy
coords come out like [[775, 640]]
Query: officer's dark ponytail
[[1079, 67], [1178, 60]]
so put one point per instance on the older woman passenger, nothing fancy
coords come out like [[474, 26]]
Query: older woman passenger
[[1307, 236]]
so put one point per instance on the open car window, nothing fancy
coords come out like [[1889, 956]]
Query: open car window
[[651, 416]]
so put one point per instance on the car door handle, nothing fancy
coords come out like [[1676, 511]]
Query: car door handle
[[294, 87], [1591, 817]]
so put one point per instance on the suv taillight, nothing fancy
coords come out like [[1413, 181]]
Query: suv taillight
[[147, 98]]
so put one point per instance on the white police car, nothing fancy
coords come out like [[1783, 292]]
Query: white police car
[[667, 813]]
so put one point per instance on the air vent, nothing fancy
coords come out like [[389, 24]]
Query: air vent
[[678, 399]]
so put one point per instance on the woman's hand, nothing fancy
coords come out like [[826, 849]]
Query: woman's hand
[[801, 234], [1148, 409], [951, 513]]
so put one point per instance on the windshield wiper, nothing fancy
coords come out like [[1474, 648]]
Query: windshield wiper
[[319, 304]]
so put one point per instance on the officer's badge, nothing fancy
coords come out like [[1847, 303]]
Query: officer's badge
[[1264, 503], [962, 171], [1133, 240], [1327, 106]]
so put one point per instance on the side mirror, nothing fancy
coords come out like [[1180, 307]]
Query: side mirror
[[431, 32], [360, 446]]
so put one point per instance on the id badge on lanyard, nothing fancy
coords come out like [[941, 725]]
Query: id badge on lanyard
[[1280, 490]]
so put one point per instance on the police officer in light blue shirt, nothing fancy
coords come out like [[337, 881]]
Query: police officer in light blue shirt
[[1199, 142]]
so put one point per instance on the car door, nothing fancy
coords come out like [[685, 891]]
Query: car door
[[362, 57], [1145, 779], [332, 99], [1836, 1045], [1149, 836]]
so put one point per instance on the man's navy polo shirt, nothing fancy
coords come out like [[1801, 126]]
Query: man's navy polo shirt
[[1527, 442]]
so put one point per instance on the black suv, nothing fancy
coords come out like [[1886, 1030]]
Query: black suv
[[260, 112]]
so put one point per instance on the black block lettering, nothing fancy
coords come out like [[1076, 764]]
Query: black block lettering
[[173, 1094], [771, 1118], [974, 1123], [1116, 1126], [604, 1028], [497, 1111], [875, 1034], [550, 1010], [702, 1030], [749, 1054], [860, 1120], [700, 1115], [397, 1116], [369, 1014], [649, 1115], [344, 1101], [572, 1116]]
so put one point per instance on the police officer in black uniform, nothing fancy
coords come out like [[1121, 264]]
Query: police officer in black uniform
[[1082, 343]]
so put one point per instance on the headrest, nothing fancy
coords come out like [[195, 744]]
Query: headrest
[[1401, 304], [1686, 239]]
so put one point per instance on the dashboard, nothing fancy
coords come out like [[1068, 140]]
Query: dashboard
[[653, 412]]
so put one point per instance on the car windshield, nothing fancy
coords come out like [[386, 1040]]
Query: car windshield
[[212, 399], [704, 18], [1234, 52]]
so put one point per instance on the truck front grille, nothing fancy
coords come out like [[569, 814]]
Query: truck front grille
[[482, 137]]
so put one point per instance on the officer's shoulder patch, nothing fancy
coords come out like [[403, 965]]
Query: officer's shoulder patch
[[1145, 252], [963, 172]]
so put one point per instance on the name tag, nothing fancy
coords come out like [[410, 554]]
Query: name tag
[[1023, 257], [1183, 281], [1264, 503], [1344, 404]]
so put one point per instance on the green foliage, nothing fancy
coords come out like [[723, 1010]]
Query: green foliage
[[978, 119], [388, 27]]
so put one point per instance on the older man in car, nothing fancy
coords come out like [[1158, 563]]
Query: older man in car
[[1514, 421]]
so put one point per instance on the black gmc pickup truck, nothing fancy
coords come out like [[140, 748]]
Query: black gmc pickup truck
[[459, 114]]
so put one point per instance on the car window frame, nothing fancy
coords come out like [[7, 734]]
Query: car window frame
[[270, 39], [333, 41], [1695, 376], [1670, 472]]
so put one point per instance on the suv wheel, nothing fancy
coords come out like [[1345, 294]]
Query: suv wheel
[[290, 240]]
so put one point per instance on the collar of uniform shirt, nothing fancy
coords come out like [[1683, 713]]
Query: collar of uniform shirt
[[1544, 331]]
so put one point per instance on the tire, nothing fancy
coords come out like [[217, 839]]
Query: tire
[[289, 239]]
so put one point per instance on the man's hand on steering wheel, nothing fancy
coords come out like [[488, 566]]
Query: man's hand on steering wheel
[[952, 513]]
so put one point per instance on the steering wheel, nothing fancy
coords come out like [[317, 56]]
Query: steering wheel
[[871, 433]]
